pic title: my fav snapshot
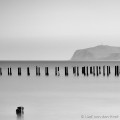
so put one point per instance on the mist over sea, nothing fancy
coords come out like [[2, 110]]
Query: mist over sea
[[58, 97]]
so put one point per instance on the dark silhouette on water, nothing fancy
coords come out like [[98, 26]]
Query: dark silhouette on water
[[20, 113], [57, 73], [37, 71], [85, 70], [46, 71], [19, 71], [66, 71], [9, 71], [28, 71]]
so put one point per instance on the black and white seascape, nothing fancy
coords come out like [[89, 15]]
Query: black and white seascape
[[59, 60], [60, 89]]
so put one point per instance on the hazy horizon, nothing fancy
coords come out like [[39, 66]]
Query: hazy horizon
[[54, 30]]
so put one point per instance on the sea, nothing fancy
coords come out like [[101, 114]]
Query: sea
[[58, 97]]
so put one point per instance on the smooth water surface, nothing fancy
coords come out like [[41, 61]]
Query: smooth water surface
[[52, 98]]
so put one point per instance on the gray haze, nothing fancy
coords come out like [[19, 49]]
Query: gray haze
[[50, 29]]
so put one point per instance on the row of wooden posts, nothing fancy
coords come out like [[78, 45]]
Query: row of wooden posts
[[86, 71]]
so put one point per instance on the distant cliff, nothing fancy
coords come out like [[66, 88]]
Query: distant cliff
[[97, 53]]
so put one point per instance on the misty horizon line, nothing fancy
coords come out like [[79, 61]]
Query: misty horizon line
[[82, 53]]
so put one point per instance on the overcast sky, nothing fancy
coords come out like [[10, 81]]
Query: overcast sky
[[54, 29]]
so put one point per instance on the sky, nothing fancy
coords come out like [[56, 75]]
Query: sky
[[54, 29]]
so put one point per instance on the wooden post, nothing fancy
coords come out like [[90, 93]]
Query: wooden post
[[46, 71], [28, 71], [19, 71], [77, 71], [20, 113], [66, 71]]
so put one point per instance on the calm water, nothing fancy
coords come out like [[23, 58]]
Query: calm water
[[59, 98]]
